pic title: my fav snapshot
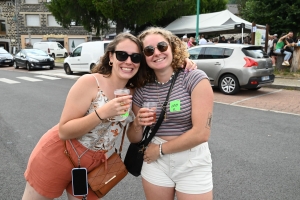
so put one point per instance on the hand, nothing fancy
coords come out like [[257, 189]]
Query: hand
[[151, 153], [189, 65], [144, 117], [116, 106]]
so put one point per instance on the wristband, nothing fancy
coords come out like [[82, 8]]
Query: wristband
[[161, 154], [98, 115]]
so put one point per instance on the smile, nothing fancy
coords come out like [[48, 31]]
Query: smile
[[159, 60], [127, 69]]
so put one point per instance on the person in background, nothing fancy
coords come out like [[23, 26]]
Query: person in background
[[222, 40], [273, 54], [202, 40], [270, 44], [216, 40], [185, 40], [178, 160], [191, 42], [280, 48]]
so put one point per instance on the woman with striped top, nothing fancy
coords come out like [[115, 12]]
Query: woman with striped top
[[178, 161]]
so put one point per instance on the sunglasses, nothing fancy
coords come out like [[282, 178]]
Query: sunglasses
[[161, 46], [122, 56]]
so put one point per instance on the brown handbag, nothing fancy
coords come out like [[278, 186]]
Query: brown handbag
[[104, 177]]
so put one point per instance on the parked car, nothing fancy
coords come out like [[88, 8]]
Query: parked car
[[32, 59], [85, 56], [54, 49], [6, 58], [234, 66]]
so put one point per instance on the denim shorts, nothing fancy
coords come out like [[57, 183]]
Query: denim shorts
[[188, 171]]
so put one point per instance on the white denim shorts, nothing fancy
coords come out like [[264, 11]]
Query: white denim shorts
[[188, 171]]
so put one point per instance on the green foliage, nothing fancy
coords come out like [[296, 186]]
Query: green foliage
[[132, 14], [282, 16]]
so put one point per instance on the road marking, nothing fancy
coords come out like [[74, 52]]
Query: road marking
[[255, 97], [29, 79], [5, 80], [47, 77]]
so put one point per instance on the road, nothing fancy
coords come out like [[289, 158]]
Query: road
[[254, 140]]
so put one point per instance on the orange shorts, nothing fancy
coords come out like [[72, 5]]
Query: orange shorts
[[49, 170]]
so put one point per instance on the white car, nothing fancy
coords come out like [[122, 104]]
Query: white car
[[54, 49], [85, 56]]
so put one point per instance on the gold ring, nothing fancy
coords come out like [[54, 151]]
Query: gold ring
[[122, 103]]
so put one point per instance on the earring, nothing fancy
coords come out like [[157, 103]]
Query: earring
[[110, 63]]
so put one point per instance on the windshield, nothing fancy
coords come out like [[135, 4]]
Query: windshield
[[255, 52], [35, 52]]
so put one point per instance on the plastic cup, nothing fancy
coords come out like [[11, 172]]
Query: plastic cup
[[120, 93], [152, 106]]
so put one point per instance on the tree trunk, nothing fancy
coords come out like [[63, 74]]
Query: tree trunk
[[120, 26], [295, 61]]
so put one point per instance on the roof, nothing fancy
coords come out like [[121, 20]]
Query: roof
[[217, 22]]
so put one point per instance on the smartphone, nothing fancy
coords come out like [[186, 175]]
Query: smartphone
[[79, 181]]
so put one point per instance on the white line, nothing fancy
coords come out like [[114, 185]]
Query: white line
[[29, 79], [5, 80], [47, 77], [255, 97]]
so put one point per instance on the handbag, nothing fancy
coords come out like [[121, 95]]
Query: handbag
[[104, 177], [135, 154]]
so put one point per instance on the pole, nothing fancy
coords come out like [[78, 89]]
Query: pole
[[197, 23], [17, 25]]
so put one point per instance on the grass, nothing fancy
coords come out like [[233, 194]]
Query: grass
[[286, 73]]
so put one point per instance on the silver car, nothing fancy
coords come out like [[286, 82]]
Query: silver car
[[234, 66]]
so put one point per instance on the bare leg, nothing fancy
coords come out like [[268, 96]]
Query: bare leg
[[31, 194], [184, 196], [154, 192]]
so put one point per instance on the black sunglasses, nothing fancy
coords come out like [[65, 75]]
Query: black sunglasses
[[122, 56], [161, 46]]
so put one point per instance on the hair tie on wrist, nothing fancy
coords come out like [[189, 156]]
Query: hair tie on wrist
[[98, 115]]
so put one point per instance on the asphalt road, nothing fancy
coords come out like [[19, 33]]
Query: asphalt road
[[255, 152]]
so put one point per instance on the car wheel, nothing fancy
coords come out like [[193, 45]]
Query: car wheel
[[68, 69], [51, 66], [229, 84], [53, 56], [92, 66], [16, 66], [66, 55], [28, 66]]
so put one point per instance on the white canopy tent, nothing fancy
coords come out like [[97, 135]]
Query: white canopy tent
[[222, 22]]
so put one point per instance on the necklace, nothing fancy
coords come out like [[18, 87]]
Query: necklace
[[165, 82]]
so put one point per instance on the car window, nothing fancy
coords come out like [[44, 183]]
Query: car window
[[228, 53], [213, 53], [195, 53], [77, 52], [35, 52], [255, 52], [60, 46], [18, 54]]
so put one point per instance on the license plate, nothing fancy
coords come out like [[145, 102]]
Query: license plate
[[265, 78], [47, 66], [8, 61]]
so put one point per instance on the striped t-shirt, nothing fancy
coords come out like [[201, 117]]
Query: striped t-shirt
[[179, 120]]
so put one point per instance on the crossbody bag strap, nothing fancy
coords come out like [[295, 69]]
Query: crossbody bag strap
[[161, 116], [123, 136]]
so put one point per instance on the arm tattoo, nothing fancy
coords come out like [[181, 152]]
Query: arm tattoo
[[209, 120]]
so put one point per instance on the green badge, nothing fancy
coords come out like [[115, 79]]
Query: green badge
[[126, 114], [175, 106]]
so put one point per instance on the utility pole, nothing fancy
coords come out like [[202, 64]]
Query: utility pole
[[197, 23], [17, 24]]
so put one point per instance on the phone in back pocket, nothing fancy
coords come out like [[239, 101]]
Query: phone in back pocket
[[79, 181]]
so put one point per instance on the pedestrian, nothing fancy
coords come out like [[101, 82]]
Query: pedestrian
[[178, 161], [280, 48], [202, 40], [191, 42], [88, 125]]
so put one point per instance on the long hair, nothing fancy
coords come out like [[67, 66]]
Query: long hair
[[104, 68], [179, 50]]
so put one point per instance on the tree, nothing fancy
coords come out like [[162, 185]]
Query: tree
[[282, 16], [132, 14]]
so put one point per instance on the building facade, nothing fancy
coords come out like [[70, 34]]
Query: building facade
[[24, 22]]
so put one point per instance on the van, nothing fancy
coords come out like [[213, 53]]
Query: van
[[54, 49], [85, 56]]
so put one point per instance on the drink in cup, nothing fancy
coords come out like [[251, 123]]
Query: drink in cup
[[152, 106], [120, 93]]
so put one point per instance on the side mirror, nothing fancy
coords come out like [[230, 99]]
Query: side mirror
[[71, 54]]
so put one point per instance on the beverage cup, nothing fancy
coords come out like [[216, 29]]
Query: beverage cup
[[152, 106], [120, 93]]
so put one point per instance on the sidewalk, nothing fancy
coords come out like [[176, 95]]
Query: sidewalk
[[279, 83]]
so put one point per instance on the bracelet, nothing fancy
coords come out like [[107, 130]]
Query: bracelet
[[98, 115], [161, 154]]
